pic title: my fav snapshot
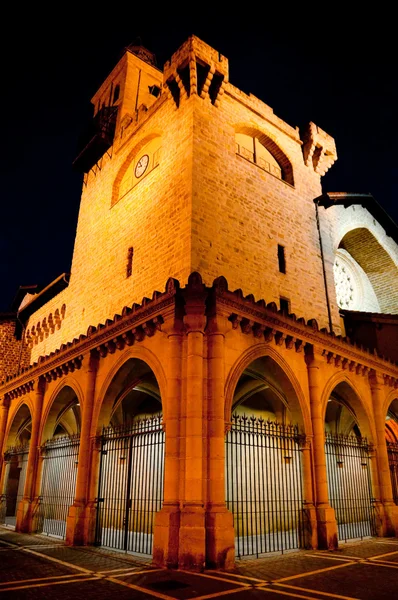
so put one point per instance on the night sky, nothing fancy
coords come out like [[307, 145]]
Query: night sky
[[338, 72]]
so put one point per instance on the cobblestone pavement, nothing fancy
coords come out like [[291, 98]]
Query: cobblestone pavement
[[37, 567]]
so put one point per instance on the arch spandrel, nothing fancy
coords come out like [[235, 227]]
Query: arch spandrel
[[297, 403], [348, 390], [106, 396]]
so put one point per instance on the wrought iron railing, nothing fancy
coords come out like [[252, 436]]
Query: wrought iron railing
[[60, 462], [350, 485], [130, 488], [264, 485]]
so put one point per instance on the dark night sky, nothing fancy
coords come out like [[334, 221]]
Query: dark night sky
[[335, 71]]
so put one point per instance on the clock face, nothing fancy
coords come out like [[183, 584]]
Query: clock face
[[141, 165]]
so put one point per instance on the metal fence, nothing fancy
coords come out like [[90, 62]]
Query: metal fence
[[264, 485], [349, 485], [15, 464], [130, 489], [392, 450], [60, 462]]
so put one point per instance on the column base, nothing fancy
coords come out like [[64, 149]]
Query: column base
[[192, 539], [389, 520], [25, 522], [310, 534], [166, 536], [220, 538], [80, 525], [327, 528]]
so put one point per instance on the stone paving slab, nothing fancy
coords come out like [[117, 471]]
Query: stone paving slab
[[79, 589], [90, 559], [33, 566], [181, 585], [363, 580], [273, 568]]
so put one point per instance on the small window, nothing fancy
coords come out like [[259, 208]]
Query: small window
[[116, 93], [284, 305], [281, 259], [129, 269]]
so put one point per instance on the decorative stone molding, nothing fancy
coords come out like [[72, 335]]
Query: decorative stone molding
[[37, 333], [319, 149]]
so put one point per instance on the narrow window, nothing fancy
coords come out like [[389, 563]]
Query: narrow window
[[281, 259], [129, 269], [284, 305], [116, 93]]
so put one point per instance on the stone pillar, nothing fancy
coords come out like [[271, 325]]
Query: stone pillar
[[4, 408], [389, 514], [310, 519], [167, 520], [27, 508], [220, 536], [192, 542], [82, 512], [327, 526]]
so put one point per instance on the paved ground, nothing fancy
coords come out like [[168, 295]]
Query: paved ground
[[41, 568]]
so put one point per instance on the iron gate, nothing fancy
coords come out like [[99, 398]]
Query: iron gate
[[15, 463], [130, 489], [60, 462], [349, 485], [392, 449], [263, 485]]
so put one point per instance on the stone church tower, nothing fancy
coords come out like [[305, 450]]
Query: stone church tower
[[212, 289]]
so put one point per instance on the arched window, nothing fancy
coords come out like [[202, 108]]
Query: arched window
[[253, 150]]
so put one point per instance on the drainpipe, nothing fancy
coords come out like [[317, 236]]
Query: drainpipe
[[323, 266]]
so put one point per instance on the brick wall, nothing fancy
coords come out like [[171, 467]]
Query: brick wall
[[11, 356]]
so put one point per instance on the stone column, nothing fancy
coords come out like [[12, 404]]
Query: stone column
[[27, 508], [220, 536], [167, 520], [4, 408], [192, 527], [82, 513], [310, 519], [389, 515], [327, 526]]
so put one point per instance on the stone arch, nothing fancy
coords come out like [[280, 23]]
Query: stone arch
[[376, 262], [19, 420], [290, 392], [121, 381], [62, 414], [128, 161], [391, 415], [342, 390], [270, 143]]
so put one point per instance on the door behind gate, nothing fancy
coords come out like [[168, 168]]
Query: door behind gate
[[264, 485], [130, 488], [392, 449], [349, 485], [15, 463], [60, 462]]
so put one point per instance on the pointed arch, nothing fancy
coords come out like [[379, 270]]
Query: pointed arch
[[341, 388], [112, 390], [294, 396]]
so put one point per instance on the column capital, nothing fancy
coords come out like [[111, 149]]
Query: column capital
[[376, 380]]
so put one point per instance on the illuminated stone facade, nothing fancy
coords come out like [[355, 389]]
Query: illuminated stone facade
[[202, 286]]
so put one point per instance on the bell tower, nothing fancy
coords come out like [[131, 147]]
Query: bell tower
[[133, 85]]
